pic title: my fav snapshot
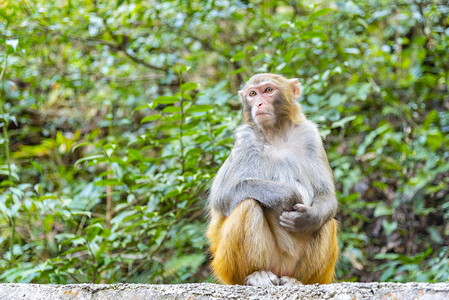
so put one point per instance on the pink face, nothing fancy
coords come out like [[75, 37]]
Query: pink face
[[261, 99]]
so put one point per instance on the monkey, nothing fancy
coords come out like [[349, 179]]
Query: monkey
[[272, 203]]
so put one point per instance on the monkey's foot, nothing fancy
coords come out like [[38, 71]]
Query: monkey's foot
[[286, 280], [262, 278]]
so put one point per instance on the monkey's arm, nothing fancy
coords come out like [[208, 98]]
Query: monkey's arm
[[226, 193], [324, 200], [324, 206], [269, 193], [239, 178]]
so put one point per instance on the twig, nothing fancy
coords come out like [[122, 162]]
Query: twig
[[121, 45]]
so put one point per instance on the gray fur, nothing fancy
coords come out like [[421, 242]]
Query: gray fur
[[278, 176]]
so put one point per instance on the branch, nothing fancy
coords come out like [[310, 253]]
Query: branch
[[121, 45]]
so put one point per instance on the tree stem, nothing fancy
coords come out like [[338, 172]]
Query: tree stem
[[5, 120]]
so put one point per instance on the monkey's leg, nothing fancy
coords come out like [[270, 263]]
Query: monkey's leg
[[318, 265], [327, 272], [241, 244]]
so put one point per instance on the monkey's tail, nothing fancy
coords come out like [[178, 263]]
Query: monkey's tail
[[241, 243]]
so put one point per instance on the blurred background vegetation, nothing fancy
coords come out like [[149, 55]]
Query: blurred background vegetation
[[115, 116]]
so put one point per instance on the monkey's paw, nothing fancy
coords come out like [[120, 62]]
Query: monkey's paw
[[286, 280], [301, 219], [262, 278]]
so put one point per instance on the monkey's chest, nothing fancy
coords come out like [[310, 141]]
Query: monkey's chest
[[285, 166], [281, 165]]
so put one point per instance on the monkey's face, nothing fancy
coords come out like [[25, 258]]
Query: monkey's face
[[269, 101], [261, 99]]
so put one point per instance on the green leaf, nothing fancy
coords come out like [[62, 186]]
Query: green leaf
[[80, 145], [185, 96], [189, 86], [100, 251], [380, 185], [382, 210], [49, 220], [313, 34], [107, 182], [135, 154], [431, 117], [171, 109], [88, 158], [150, 118], [142, 107], [254, 58], [181, 68], [289, 55], [191, 261], [199, 108], [342, 122], [435, 140], [389, 272], [370, 138], [92, 231], [337, 99], [165, 100], [321, 12], [202, 138], [37, 166], [172, 193], [238, 56], [238, 71], [349, 199], [219, 130], [81, 213], [389, 227], [435, 235]]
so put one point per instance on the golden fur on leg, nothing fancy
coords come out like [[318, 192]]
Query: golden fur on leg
[[240, 249], [260, 243]]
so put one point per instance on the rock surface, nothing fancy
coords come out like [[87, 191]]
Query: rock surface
[[343, 291]]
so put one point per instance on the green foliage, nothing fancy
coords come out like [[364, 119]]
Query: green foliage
[[115, 116]]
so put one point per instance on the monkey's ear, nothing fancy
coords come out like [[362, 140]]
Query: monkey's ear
[[241, 95], [296, 88]]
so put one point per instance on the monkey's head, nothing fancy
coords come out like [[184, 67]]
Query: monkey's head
[[269, 101]]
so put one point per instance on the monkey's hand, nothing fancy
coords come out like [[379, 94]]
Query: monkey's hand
[[301, 219]]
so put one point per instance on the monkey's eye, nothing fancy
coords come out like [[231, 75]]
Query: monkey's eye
[[252, 93], [268, 90]]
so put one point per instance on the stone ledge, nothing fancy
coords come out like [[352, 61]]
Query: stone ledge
[[341, 291]]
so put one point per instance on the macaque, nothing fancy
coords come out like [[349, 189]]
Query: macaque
[[273, 201]]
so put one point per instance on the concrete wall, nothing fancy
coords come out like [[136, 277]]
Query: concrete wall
[[346, 291]]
